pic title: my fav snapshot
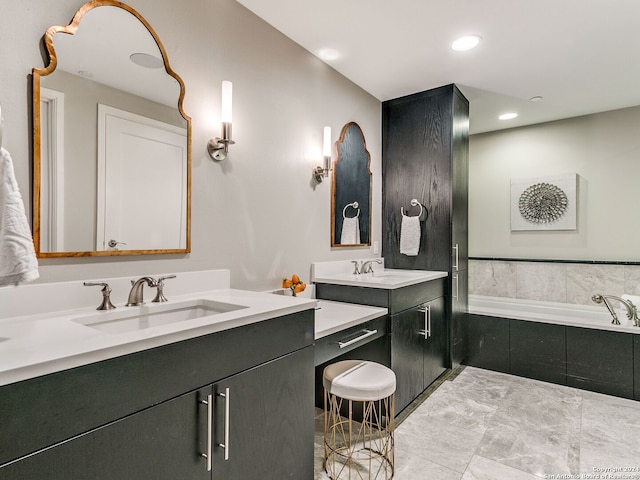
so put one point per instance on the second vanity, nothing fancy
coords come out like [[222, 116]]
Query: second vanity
[[416, 348], [228, 395]]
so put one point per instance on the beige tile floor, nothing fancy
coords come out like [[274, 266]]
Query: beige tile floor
[[483, 425]]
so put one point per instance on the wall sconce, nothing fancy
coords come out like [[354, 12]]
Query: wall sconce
[[320, 172], [217, 147]]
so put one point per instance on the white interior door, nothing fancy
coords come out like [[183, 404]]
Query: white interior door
[[142, 182]]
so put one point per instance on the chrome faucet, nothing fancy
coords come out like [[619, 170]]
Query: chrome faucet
[[632, 312], [135, 295], [367, 266]]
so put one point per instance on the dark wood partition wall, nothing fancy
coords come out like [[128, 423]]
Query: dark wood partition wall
[[425, 144]]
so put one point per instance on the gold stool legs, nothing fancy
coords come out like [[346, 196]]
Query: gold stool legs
[[358, 450]]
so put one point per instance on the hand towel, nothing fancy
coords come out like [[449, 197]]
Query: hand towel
[[410, 236], [350, 231], [18, 261]]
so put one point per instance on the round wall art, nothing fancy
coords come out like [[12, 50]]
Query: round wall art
[[544, 203]]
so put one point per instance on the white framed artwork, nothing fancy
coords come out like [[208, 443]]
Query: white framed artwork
[[544, 203]]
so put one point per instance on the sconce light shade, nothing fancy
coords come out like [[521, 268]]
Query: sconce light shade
[[320, 172], [218, 147]]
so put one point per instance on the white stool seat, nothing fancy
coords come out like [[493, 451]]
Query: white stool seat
[[359, 380]]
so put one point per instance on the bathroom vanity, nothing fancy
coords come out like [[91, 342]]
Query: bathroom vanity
[[417, 350], [225, 395]]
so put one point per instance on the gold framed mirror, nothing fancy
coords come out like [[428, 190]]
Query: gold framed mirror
[[351, 190], [111, 141]]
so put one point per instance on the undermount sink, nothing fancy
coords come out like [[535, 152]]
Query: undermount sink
[[148, 316]]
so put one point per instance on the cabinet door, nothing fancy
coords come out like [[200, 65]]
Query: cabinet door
[[407, 357], [435, 345], [266, 421], [460, 179], [160, 443]]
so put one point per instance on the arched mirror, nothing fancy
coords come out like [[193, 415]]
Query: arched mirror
[[351, 199], [112, 145]]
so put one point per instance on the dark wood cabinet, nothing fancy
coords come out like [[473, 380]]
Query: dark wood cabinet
[[425, 155], [418, 349], [162, 442], [538, 350], [146, 431], [600, 360]]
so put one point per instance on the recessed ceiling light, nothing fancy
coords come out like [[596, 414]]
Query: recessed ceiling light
[[537, 98], [507, 116], [147, 61], [328, 54], [85, 74], [466, 43]]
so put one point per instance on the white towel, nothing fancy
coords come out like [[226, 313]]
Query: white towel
[[635, 299], [350, 231], [410, 235], [18, 261]]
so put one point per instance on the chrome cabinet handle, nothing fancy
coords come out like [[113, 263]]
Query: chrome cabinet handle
[[367, 333], [209, 403], [225, 445], [426, 309], [455, 277], [456, 263]]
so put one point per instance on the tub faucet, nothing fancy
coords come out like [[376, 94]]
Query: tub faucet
[[135, 295], [632, 312]]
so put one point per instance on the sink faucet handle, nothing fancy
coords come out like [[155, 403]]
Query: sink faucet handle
[[160, 286], [106, 292], [356, 267]]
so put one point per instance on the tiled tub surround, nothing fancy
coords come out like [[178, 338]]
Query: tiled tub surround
[[562, 282]]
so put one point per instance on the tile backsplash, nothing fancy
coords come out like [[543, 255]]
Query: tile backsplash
[[552, 281]]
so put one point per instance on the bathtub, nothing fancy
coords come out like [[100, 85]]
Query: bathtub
[[586, 316]]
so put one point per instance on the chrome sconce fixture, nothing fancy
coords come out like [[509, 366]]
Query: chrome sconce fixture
[[217, 147], [321, 172]]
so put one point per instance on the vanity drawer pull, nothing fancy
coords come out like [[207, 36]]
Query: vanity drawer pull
[[367, 333]]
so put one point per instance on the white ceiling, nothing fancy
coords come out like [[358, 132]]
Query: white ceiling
[[581, 56]]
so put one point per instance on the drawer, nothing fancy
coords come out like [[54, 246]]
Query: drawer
[[332, 346]]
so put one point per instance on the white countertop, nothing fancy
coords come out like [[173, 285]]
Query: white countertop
[[332, 317], [43, 343], [386, 279]]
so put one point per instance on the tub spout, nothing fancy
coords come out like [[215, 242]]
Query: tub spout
[[632, 312]]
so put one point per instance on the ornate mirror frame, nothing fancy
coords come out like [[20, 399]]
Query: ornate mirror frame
[[37, 73], [351, 184]]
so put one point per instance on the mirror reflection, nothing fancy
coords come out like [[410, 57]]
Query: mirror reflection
[[111, 142], [351, 199]]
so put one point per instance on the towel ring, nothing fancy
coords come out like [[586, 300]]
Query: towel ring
[[354, 205], [414, 203]]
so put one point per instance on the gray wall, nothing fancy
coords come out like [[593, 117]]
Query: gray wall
[[258, 213], [603, 149]]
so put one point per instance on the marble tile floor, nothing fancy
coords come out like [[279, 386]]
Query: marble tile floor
[[483, 425]]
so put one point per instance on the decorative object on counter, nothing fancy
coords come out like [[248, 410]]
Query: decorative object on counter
[[106, 292], [410, 232], [350, 225], [218, 147], [294, 284], [320, 172], [366, 447], [544, 203], [351, 183], [18, 262], [108, 93]]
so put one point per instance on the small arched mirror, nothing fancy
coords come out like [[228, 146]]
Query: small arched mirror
[[351, 199], [112, 144]]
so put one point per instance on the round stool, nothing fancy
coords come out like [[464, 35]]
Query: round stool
[[358, 420]]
